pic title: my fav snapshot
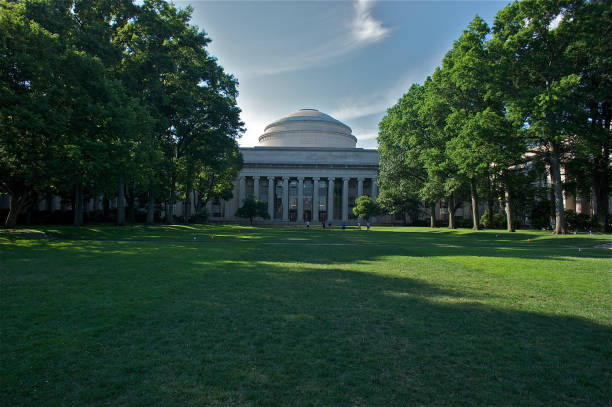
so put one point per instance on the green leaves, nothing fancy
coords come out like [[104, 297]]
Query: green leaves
[[251, 209], [365, 207], [91, 91]]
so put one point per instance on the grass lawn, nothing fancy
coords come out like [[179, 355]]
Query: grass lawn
[[249, 316]]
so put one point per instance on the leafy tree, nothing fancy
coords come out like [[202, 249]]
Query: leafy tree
[[216, 177], [365, 207], [30, 118], [251, 209], [589, 163], [401, 143], [444, 180], [542, 80], [480, 133]]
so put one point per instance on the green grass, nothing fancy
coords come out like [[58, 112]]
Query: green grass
[[246, 316]]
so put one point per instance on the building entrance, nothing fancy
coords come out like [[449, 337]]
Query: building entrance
[[307, 216]]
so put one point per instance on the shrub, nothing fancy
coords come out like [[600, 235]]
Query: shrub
[[541, 213], [578, 221], [499, 221]]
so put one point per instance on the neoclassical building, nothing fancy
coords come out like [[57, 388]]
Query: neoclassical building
[[307, 168]]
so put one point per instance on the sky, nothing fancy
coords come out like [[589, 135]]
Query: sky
[[350, 59]]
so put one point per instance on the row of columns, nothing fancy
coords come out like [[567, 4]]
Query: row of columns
[[300, 197]]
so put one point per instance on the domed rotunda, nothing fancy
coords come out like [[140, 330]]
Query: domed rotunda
[[308, 127], [307, 168]]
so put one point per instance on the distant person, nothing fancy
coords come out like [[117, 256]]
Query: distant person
[[358, 225], [343, 225], [368, 225], [307, 224], [323, 224]]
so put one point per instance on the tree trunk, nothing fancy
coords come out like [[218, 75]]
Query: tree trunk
[[474, 205], [432, 215], [77, 205], [49, 203], [86, 209], [601, 187], [451, 213], [189, 190], [151, 208], [105, 207], [131, 206], [121, 202], [28, 219], [508, 207], [170, 212], [188, 205], [602, 196], [16, 205], [555, 176], [490, 199]]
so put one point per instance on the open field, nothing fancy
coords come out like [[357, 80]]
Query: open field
[[248, 316]]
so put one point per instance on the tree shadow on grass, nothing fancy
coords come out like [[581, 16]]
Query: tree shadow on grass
[[261, 334]]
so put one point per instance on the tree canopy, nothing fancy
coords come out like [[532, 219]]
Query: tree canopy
[[532, 93], [98, 95]]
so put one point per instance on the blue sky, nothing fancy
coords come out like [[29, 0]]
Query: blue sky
[[349, 59]]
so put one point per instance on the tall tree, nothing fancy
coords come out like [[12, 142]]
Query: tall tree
[[533, 39], [30, 118], [444, 178], [402, 141], [591, 149], [466, 83]]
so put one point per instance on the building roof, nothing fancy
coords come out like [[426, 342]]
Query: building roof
[[308, 128]]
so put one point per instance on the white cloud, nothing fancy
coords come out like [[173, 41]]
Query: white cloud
[[366, 138], [365, 27], [363, 30]]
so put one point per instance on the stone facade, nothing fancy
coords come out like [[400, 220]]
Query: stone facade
[[306, 168]]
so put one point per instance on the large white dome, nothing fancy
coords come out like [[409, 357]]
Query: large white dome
[[308, 128]]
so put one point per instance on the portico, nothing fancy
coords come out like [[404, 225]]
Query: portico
[[306, 198]]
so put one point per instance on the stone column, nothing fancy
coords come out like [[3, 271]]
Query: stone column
[[374, 189], [315, 199], [242, 193], [300, 200], [271, 197], [359, 186], [330, 199], [256, 188], [345, 182], [285, 199]]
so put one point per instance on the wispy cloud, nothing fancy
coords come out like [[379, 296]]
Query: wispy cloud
[[379, 102], [362, 30], [365, 27]]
